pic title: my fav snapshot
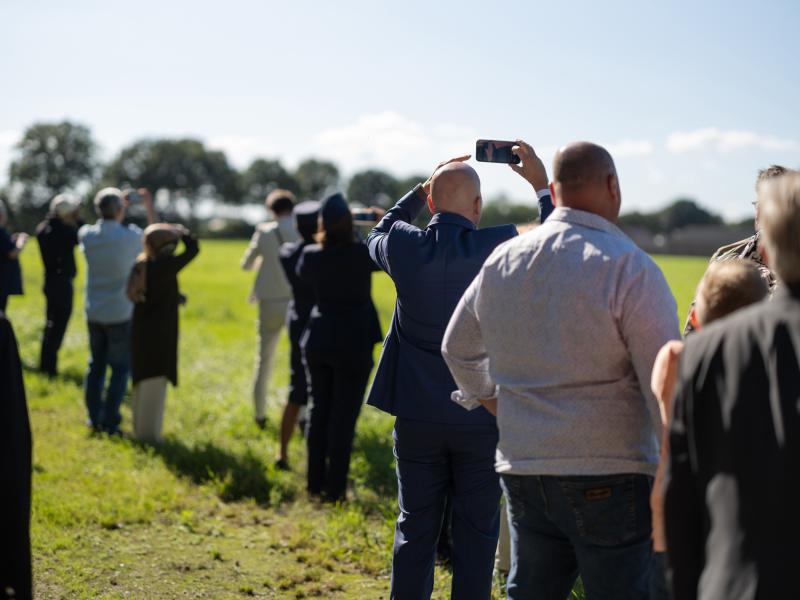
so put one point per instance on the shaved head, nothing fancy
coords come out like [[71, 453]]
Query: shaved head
[[456, 188], [585, 178]]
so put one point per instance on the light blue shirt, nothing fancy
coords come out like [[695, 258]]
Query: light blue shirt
[[110, 249], [562, 325]]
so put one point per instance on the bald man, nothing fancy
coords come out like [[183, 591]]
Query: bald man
[[557, 336], [441, 449]]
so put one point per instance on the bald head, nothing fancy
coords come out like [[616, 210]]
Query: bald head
[[456, 188], [585, 178]]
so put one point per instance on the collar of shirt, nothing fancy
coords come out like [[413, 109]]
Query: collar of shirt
[[585, 219], [447, 218]]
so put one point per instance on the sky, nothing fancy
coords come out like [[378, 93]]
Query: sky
[[691, 98]]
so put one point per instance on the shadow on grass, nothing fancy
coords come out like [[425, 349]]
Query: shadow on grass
[[234, 477], [69, 376], [377, 450]]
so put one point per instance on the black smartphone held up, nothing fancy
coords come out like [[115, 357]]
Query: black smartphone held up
[[496, 151], [364, 215]]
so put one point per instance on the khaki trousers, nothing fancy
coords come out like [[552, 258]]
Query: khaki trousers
[[271, 319], [149, 397]]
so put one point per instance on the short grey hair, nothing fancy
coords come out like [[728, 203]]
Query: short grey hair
[[779, 218], [108, 202]]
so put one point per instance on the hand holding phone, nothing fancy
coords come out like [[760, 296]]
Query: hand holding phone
[[496, 151]]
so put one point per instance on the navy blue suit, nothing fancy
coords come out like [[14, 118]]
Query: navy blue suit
[[441, 449]]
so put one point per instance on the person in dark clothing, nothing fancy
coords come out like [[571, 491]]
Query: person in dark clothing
[[732, 523], [153, 287], [337, 344], [15, 472], [305, 218], [57, 236], [10, 272]]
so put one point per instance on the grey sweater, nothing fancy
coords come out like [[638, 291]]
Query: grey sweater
[[563, 324]]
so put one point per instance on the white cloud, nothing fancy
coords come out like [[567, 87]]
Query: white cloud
[[393, 142], [711, 138], [627, 147], [242, 149]]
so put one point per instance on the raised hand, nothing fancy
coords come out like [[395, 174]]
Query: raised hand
[[531, 169]]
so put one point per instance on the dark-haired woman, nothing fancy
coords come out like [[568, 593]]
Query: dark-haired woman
[[337, 344]]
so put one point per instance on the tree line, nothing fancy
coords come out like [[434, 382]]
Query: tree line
[[53, 158]]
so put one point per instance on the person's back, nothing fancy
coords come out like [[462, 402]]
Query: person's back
[[557, 336], [110, 249], [442, 451], [560, 301], [730, 503]]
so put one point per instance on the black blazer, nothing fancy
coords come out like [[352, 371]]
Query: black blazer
[[343, 317], [733, 480]]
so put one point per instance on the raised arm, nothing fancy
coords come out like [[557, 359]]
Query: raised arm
[[407, 209], [532, 170], [191, 248]]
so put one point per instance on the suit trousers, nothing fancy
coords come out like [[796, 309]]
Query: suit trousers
[[271, 319], [149, 398], [59, 310], [434, 460], [338, 383]]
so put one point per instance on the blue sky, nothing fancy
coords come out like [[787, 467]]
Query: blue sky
[[691, 98]]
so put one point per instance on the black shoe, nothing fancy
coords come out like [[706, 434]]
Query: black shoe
[[261, 422], [282, 465]]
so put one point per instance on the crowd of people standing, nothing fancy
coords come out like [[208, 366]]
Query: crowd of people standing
[[546, 367]]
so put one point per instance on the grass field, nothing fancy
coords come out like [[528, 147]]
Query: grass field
[[205, 515]]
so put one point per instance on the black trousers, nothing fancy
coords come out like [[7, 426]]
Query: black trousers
[[59, 310], [338, 383]]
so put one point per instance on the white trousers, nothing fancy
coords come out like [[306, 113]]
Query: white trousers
[[149, 397], [271, 319]]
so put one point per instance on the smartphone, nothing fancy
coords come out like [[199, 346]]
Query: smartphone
[[133, 196], [364, 215], [495, 151]]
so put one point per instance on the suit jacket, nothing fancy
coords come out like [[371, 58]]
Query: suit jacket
[[302, 293], [430, 268], [733, 480], [343, 319], [264, 248]]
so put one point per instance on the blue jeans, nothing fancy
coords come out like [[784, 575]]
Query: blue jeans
[[433, 461], [595, 526], [110, 346]]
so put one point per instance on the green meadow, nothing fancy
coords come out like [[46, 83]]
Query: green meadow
[[205, 514]]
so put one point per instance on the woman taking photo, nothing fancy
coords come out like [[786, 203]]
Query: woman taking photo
[[153, 287], [337, 344]]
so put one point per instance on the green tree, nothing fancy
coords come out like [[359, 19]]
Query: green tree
[[406, 184], [263, 176], [185, 167], [678, 214], [500, 210], [51, 158], [372, 188], [316, 178]]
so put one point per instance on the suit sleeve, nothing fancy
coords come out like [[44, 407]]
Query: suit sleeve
[[191, 250], [252, 252], [545, 207], [682, 509], [406, 210], [303, 270]]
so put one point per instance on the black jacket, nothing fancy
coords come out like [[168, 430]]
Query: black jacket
[[733, 482], [302, 293], [57, 242], [343, 317], [15, 471], [154, 331]]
